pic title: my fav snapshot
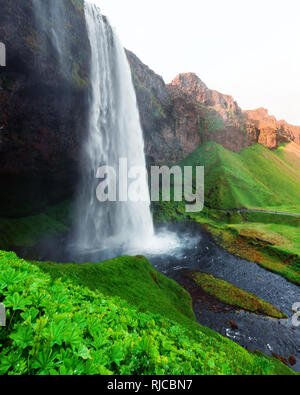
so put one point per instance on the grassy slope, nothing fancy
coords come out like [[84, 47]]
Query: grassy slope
[[132, 279], [234, 296], [257, 178], [59, 330]]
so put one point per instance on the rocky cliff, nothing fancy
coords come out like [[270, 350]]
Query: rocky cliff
[[178, 117], [272, 132], [219, 117], [43, 101], [169, 136], [190, 114]]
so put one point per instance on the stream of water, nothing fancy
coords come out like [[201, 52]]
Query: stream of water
[[256, 332]]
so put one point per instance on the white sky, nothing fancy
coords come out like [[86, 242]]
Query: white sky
[[246, 48]]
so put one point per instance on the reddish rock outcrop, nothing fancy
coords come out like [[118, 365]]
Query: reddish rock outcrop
[[192, 85], [219, 117], [240, 128], [233, 325], [272, 133], [178, 117]]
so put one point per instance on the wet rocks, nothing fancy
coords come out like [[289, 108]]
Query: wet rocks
[[292, 360], [233, 325]]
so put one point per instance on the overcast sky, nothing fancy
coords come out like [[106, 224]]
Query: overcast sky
[[246, 48]]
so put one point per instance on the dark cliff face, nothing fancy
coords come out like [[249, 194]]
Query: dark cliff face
[[154, 106], [43, 102], [169, 137]]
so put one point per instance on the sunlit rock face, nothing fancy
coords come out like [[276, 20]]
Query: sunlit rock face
[[43, 102], [192, 85], [179, 116], [272, 132]]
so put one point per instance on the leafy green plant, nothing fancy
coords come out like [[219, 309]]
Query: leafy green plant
[[56, 327]]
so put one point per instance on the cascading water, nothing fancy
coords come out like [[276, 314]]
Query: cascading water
[[114, 132], [103, 229]]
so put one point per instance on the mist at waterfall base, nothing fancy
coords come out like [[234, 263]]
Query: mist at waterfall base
[[104, 230]]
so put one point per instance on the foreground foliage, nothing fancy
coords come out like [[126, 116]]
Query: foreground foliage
[[56, 327], [133, 279]]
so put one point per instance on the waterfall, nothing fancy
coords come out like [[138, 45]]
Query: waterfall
[[114, 132], [101, 229]]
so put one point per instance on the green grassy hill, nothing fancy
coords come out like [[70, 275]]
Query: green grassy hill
[[55, 326], [256, 178]]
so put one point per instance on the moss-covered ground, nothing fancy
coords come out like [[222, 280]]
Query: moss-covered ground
[[132, 279], [234, 296]]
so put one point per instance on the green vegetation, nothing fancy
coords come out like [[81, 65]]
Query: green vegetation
[[59, 327], [256, 178], [132, 279], [281, 239], [28, 231], [156, 107], [234, 296], [147, 325], [254, 248], [211, 120]]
